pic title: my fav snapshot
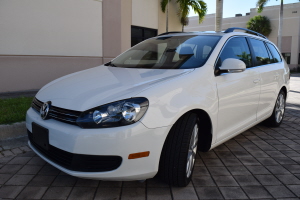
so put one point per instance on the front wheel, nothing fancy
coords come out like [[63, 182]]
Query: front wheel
[[179, 151], [278, 113]]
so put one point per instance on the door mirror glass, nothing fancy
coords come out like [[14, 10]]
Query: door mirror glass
[[233, 65]]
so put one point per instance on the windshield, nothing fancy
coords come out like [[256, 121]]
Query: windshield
[[168, 52]]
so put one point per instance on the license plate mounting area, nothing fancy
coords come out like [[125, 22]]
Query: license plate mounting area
[[40, 136]]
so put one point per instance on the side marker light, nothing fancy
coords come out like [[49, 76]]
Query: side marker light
[[139, 155]]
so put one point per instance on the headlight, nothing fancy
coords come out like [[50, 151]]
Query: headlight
[[114, 114]]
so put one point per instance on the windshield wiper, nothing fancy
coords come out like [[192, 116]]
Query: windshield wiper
[[110, 64]]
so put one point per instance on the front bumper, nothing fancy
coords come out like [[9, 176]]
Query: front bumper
[[117, 141]]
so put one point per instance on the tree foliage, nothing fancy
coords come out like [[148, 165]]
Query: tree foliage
[[260, 24], [184, 7], [163, 5], [198, 6], [260, 4]]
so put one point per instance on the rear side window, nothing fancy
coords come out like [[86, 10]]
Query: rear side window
[[276, 57], [261, 54], [236, 48]]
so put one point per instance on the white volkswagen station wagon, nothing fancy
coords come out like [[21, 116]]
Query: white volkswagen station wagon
[[149, 110]]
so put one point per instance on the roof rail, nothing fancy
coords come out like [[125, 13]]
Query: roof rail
[[229, 30], [166, 33]]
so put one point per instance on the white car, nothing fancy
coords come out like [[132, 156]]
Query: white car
[[149, 110]]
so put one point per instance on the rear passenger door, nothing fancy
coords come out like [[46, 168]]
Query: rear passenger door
[[268, 62], [238, 92]]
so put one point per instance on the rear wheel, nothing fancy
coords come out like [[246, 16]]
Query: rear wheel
[[278, 113], [179, 152]]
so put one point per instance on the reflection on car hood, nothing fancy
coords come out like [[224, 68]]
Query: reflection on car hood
[[101, 85]]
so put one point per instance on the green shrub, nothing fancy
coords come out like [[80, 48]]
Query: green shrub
[[14, 109]]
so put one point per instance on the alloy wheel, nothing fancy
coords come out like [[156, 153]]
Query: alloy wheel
[[280, 107], [192, 151]]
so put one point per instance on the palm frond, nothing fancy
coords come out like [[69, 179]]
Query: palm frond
[[260, 5], [198, 6], [163, 5], [260, 24]]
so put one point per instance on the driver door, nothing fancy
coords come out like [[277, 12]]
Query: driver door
[[238, 92]]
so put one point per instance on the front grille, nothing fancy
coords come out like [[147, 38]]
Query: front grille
[[60, 114], [36, 104], [78, 162]]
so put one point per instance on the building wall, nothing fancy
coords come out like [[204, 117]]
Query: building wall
[[41, 40], [291, 26], [145, 13], [148, 14], [173, 19], [116, 27], [33, 27]]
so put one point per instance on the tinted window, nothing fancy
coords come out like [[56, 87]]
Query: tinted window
[[270, 55], [287, 57], [260, 51], [168, 52], [138, 34], [276, 57], [236, 48]]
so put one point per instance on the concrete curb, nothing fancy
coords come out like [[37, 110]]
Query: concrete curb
[[12, 131]]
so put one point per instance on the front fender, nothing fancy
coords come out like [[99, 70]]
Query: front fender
[[171, 99]]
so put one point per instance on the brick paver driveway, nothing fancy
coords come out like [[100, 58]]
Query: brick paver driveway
[[261, 163]]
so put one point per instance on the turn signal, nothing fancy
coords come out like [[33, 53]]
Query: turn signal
[[139, 155]]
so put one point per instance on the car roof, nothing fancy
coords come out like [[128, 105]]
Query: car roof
[[191, 33], [229, 32]]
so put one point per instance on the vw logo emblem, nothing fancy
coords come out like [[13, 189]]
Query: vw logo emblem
[[45, 110]]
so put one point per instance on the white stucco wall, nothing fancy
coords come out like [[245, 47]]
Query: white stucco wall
[[145, 13], [174, 22], [51, 27], [290, 31]]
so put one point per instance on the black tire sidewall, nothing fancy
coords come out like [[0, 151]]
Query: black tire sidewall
[[173, 161]]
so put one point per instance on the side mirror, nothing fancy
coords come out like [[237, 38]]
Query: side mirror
[[233, 65]]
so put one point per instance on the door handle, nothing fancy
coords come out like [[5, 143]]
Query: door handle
[[256, 81]]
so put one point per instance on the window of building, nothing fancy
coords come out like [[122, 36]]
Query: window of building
[[236, 48], [261, 54], [276, 57], [287, 57], [138, 34]]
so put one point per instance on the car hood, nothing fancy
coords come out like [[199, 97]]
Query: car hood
[[101, 85]]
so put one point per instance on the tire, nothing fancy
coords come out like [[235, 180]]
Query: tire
[[278, 112], [179, 151]]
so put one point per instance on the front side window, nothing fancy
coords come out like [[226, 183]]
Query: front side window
[[236, 48], [168, 52], [276, 57], [261, 54]]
